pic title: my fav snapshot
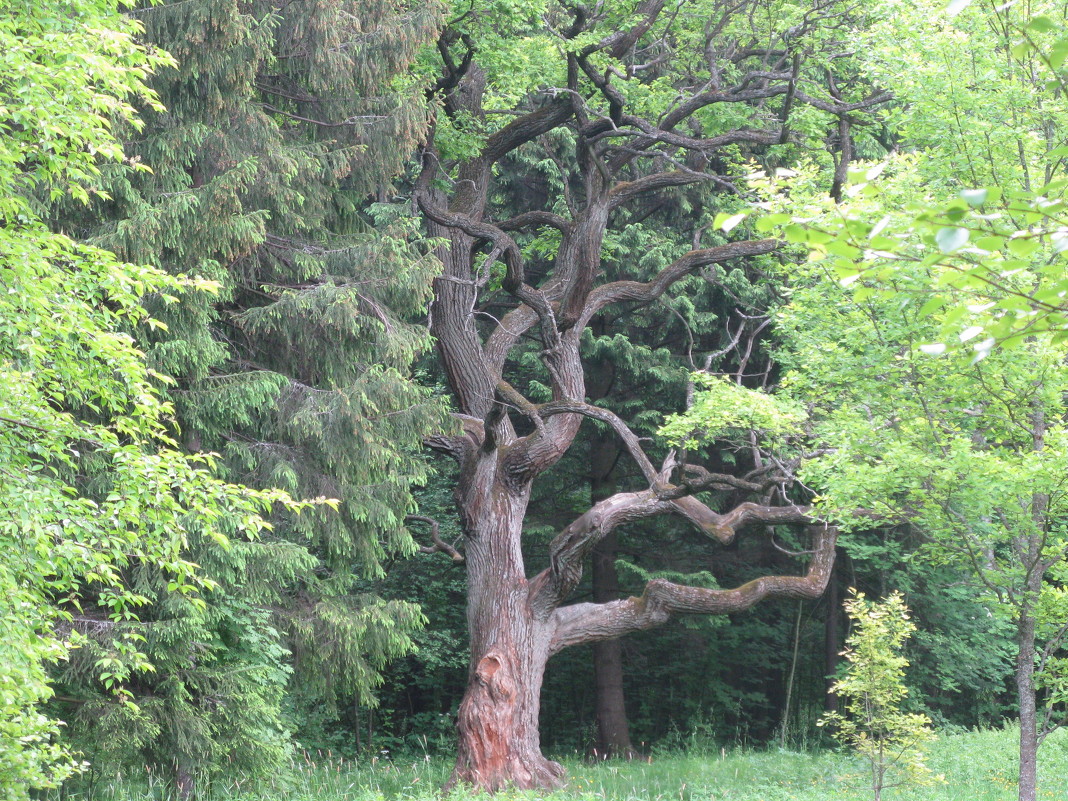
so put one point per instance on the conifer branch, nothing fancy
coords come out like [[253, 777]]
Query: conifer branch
[[365, 119]]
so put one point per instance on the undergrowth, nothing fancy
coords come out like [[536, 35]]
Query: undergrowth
[[977, 766]]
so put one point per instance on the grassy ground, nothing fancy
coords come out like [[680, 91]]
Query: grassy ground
[[978, 766]]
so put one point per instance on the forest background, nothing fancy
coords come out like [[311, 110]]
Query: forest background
[[871, 334]]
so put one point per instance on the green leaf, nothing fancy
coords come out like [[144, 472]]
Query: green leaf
[[1040, 24], [1056, 55], [726, 222], [771, 221], [950, 239], [1022, 48], [932, 305], [1022, 248]]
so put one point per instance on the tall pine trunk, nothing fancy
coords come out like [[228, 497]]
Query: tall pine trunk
[[613, 729]]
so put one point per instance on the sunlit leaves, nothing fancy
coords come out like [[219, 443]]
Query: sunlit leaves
[[876, 725], [727, 222], [76, 397], [723, 409], [950, 239]]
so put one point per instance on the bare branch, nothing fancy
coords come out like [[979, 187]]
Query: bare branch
[[699, 478], [439, 546], [630, 439], [526, 128], [628, 190], [504, 244], [535, 219], [876, 98], [587, 622], [695, 259], [651, 134], [619, 42], [570, 548], [568, 551]]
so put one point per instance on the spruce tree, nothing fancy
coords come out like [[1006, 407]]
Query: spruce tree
[[281, 121]]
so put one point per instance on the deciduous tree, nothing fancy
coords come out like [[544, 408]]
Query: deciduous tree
[[970, 455], [643, 100], [77, 399]]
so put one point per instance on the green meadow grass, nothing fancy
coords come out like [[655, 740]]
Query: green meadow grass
[[977, 766]]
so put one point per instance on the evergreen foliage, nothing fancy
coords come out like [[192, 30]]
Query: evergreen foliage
[[279, 124], [291, 308]]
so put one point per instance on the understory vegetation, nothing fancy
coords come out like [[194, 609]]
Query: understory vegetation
[[974, 766]]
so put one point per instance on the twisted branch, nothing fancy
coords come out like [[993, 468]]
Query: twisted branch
[[439, 545], [588, 622]]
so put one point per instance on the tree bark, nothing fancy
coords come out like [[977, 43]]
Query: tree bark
[[831, 645], [613, 729], [497, 725], [1025, 694], [184, 781], [1029, 548]]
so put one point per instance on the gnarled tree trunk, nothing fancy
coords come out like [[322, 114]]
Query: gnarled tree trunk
[[498, 719], [609, 158]]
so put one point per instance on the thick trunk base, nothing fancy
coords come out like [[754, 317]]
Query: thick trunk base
[[498, 731], [500, 771]]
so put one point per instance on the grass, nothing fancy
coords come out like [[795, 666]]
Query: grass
[[978, 766]]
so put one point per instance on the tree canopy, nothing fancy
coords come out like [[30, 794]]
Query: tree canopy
[[709, 307], [93, 480]]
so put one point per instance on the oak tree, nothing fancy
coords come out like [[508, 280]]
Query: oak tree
[[642, 100]]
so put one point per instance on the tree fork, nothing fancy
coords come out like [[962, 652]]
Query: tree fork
[[517, 623]]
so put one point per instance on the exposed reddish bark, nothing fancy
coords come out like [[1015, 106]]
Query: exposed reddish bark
[[498, 718]]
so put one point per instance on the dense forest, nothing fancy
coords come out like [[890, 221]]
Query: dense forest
[[502, 379]]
